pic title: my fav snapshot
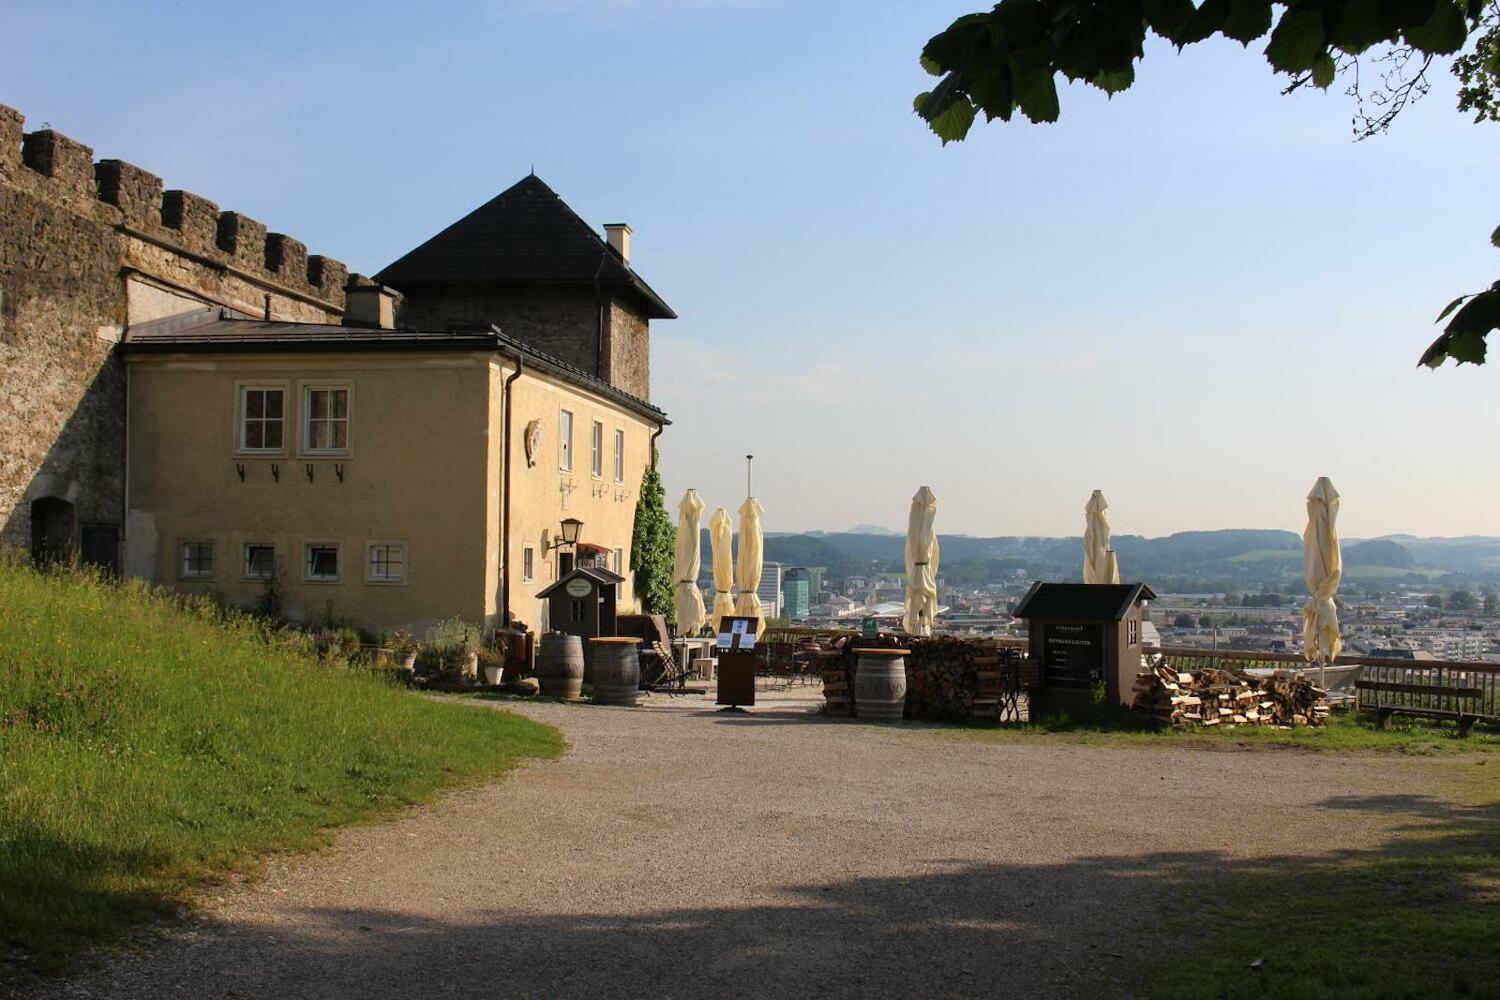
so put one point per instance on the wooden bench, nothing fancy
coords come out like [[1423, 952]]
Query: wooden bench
[[1464, 692]]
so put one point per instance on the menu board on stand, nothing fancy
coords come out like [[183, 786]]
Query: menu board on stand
[[735, 648]]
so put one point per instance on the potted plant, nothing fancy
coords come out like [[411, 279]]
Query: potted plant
[[402, 647], [491, 663]]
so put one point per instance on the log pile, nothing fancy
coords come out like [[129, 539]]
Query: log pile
[[836, 665], [953, 679], [947, 678], [1222, 697]]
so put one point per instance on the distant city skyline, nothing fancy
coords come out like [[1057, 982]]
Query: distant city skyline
[[1197, 297]]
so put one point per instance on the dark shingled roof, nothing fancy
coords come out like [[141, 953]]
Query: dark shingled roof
[[1110, 601], [216, 330], [525, 235]]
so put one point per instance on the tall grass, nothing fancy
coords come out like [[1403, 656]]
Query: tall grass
[[148, 745]]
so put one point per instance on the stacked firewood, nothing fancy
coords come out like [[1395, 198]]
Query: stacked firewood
[[946, 678], [1222, 697], [836, 666], [953, 679]]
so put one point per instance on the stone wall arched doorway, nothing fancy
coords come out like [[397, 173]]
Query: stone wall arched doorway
[[54, 526]]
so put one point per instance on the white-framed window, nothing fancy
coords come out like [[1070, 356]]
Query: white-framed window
[[320, 562], [196, 560], [619, 455], [385, 562], [259, 561], [262, 418], [528, 564], [565, 441], [325, 418], [598, 450]]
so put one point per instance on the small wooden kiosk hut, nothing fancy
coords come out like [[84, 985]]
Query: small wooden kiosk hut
[[1082, 635], [583, 603]]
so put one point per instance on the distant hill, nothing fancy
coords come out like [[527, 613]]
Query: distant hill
[[1231, 559], [871, 529], [1467, 554], [1379, 552]]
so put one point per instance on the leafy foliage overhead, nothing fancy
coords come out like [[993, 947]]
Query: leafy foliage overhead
[[1474, 316], [1008, 59]]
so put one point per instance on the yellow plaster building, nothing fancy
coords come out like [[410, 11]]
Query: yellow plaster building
[[391, 473]]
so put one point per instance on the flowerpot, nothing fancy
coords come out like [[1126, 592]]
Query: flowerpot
[[492, 675], [409, 661]]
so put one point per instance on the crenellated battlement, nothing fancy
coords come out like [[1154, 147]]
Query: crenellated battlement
[[53, 167]]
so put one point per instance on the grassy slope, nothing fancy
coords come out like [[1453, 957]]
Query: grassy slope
[[146, 748]]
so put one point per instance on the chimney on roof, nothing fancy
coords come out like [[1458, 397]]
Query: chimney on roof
[[369, 304], [618, 234]]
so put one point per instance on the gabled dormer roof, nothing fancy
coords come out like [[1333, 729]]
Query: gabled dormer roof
[[523, 236]]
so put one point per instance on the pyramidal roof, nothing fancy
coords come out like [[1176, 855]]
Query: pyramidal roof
[[524, 235]]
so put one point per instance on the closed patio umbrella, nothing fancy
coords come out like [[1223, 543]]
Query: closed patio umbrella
[[1099, 565], [1322, 567], [686, 565], [720, 541], [748, 560], [921, 564]]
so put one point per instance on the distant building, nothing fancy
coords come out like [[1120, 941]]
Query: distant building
[[770, 589], [796, 592]]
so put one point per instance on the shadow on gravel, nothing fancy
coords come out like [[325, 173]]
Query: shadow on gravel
[[1419, 918], [764, 717]]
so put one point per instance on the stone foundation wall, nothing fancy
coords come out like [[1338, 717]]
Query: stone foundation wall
[[87, 248]]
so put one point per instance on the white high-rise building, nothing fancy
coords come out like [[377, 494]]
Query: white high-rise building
[[770, 589]]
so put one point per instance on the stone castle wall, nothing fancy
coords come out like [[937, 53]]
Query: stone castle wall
[[87, 248]]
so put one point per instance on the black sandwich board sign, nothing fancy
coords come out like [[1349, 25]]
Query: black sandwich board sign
[[735, 648]]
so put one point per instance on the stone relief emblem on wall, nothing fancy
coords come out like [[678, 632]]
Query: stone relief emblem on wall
[[533, 441]]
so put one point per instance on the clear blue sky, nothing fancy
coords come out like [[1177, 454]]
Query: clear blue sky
[[1197, 297]]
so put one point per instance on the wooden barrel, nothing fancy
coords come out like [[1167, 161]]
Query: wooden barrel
[[880, 684], [559, 666], [617, 670]]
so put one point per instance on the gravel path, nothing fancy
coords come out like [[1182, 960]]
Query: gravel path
[[676, 852]]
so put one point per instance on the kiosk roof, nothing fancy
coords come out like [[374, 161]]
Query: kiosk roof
[[1082, 601]]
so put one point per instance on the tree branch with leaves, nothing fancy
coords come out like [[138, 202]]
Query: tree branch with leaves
[[1008, 60]]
